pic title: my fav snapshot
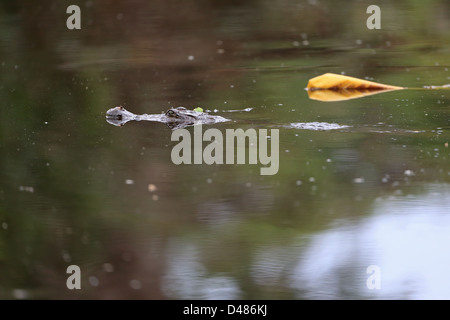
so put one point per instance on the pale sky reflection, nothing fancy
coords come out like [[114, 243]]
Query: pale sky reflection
[[408, 238]]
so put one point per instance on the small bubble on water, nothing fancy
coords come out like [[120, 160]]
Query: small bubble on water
[[66, 256], [26, 189], [93, 281], [358, 180], [108, 267], [190, 58], [129, 181], [135, 284], [20, 294]]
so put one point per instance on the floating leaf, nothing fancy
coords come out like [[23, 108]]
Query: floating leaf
[[331, 81], [335, 87]]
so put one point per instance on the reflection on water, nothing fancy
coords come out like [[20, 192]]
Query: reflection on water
[[365, 184], [406, 237], [187, 278]]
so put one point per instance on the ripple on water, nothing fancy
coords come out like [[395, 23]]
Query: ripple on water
[[317, 126]]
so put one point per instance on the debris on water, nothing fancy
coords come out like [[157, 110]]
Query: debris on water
[[108, 267], [152, 187], [239, 110], [409, 173], [135, 284], [317, 126], [129, 181], [93, 281], [66, 256], [20, 294], [358, 180], [26, 189]]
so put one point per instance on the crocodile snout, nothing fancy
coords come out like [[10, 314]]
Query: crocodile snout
[[115, 113]]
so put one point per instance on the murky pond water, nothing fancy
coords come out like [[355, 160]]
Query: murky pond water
[[358, 206]]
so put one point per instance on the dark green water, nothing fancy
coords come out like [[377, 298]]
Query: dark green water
[[75, 190]]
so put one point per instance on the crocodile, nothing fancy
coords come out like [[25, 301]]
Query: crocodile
[[174, 118]]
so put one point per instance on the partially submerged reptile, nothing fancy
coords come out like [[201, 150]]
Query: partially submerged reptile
[[178, 118], [174, 118]]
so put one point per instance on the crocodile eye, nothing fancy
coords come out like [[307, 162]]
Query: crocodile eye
[[170, 113]]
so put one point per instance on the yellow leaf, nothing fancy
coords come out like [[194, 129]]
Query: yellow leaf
[[335, 87], [333, 81]]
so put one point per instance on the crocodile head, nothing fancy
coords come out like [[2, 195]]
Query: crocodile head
[[118, 116], [181, 117], [181, 114]]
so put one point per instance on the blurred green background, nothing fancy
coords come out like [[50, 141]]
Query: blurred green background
[[77, 190]]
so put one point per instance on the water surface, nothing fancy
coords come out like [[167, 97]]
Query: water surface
[[363, 182]]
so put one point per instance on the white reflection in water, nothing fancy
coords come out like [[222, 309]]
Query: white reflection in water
[[187, 278], [408, 238]]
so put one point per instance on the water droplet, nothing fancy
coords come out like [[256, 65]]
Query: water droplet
[[108, 267], [135, 284], [93, 281], [358, 180]]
